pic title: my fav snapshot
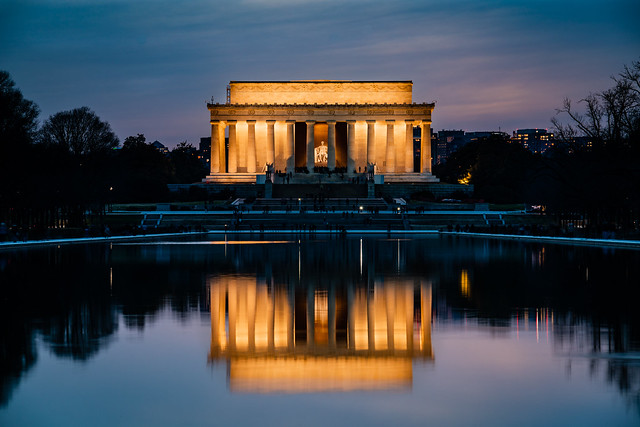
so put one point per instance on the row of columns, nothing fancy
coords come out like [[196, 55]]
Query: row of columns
[[259, 319], [218, 164]]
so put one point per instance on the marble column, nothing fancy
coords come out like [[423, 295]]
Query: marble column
[[310, 147], [233, 147], [290, 147], [391, 150], [251, 146], [408, 149], [222, 148], [271, 142], [331, 149], [425, 147], [371, 141], [351, 146], [215, 143]]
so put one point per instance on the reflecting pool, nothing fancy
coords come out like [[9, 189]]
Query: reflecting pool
[[326, 331]]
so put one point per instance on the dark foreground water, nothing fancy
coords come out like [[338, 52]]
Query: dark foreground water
[[370, 331]]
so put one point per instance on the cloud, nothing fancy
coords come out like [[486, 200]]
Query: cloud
[[148, 66]]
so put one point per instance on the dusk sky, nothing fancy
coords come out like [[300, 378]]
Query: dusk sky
[[149, 66]]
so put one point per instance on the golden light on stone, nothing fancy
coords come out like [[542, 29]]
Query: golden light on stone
[[466, 179], [354, 340], [326, 123]]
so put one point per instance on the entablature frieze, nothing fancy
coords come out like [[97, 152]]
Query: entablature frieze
[[321, 112]]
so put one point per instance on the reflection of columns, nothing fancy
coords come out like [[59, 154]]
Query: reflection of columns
[[233, 147], [250, 306], [271, 142], [408, 312], [311, 310], [358, 320], [218, 333], [332, 316], [391, 151], [351, 145], [371, 141], [292, 321], [425, 320], [371, 318], [233, 308], [310, 142], [251, 146], [215, 146], [390, 302], [425, 147], [408, 150], [289, 147], [331, 150], [351, 319]]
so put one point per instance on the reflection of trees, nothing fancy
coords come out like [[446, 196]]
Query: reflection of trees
[[81, 330], [607, 347], [17, 352], [593, 294], [49, 292]]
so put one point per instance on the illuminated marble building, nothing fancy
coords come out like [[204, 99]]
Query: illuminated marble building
[[287, 339], [334, 124]]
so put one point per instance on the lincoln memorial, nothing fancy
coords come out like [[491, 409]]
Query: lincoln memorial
[[312, 126]]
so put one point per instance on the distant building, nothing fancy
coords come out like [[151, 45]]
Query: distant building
[[580, 143], [204, 150], [535, 140], [447, 142], [160, 147]]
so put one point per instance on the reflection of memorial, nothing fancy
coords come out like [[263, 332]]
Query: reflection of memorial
[[281, 339]]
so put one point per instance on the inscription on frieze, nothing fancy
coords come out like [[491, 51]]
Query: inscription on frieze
[[290, 112]]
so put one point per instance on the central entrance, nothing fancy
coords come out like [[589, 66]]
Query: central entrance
[[320, 145]]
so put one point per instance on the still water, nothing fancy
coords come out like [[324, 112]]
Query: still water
[[342, 331]]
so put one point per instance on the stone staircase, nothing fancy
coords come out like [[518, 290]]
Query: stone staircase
[[493, 219], [328, 204], [151, 220]]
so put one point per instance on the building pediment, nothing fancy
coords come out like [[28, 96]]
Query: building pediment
[[320, 91]]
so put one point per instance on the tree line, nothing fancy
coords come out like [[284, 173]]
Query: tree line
[[52, 175], [598, 182]]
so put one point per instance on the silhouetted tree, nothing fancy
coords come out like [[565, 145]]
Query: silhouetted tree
[[500, 171], [79, 131], [142, 172], [18, 124], [611, 118], [18, 116], [188, 168]]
